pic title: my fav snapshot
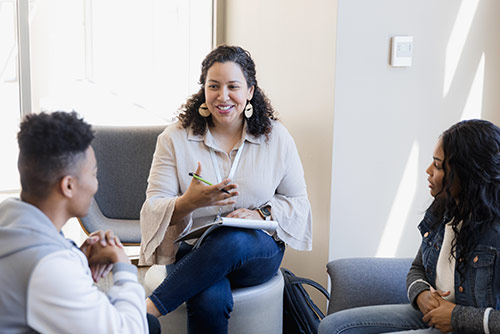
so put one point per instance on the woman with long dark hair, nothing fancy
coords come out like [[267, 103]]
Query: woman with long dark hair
[[228, 133], [454, 282]]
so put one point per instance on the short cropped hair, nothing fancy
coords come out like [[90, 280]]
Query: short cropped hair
[[50, 146]]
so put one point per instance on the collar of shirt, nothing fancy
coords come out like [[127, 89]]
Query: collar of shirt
[[209, 140]]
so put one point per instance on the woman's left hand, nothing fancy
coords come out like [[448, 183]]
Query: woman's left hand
[[440, 317], [245, 214]]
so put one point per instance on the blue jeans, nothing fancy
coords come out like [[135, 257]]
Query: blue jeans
[[375, 319], [153, 324], [203, 277]]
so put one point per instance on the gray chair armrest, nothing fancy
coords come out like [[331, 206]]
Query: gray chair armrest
[[359, 282], [128, 230], [124, 156]]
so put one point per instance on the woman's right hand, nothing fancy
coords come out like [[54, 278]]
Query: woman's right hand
[[200, 195], [427, 300]]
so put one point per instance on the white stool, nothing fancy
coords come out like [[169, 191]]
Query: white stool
[[257, 309]]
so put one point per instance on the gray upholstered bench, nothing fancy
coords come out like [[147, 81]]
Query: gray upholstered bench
[[357, 282]]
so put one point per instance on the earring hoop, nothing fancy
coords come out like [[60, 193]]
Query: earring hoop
[[249, 110], [203, 110]]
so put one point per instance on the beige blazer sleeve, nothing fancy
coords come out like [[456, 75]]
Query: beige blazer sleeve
[[157, 241]]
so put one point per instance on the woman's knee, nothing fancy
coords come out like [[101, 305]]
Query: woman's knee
[[215, 301], [233, 240]]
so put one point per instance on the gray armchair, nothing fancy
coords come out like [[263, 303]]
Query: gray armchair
[[359, 282], [124, 156]]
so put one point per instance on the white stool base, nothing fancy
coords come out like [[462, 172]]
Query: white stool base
[[257, 309]]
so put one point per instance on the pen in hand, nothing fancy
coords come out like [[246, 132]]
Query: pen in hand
[[199, 178]]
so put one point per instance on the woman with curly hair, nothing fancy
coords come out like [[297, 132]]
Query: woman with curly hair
[[228, 133], [454, 282]]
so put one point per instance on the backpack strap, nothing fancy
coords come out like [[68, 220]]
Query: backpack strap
[[291, 280], [302, 280]]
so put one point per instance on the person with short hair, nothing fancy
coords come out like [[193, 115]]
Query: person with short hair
[[46, 282]]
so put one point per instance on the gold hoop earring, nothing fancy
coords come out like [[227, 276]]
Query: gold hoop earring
[[203, 110], [248, 110]]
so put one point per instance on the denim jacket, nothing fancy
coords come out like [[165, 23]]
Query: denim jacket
[[480, 288]]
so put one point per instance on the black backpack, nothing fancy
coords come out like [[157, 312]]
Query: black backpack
[[300, 314]]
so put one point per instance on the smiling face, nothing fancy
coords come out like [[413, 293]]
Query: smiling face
[[226, 93]]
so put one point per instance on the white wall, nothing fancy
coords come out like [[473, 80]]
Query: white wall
[[326, 69], [292, 44], [387, 119]]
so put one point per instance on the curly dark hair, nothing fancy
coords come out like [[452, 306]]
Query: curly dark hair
[[50, 145], [263, 112], [471, 158]]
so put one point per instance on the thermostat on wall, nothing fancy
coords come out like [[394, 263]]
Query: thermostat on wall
[[402, 50]]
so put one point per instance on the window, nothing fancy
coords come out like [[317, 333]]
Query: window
[[9, 99], [117, 62]]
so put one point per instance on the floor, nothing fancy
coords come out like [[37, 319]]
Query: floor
[[107, 282]]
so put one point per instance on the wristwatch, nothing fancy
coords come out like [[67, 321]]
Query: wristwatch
[[265, 212]]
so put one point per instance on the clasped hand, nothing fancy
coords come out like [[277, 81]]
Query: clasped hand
[[102, 250], [437, 311]]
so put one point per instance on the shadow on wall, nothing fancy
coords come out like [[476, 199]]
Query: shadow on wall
[[457, 64], [383, 143]]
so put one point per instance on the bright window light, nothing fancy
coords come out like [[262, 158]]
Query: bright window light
[[118, 62], [115, 62], [474, 104], [456, 43], [9, 100], [393, 230]]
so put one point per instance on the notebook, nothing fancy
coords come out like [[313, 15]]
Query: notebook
[[200, 232]]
